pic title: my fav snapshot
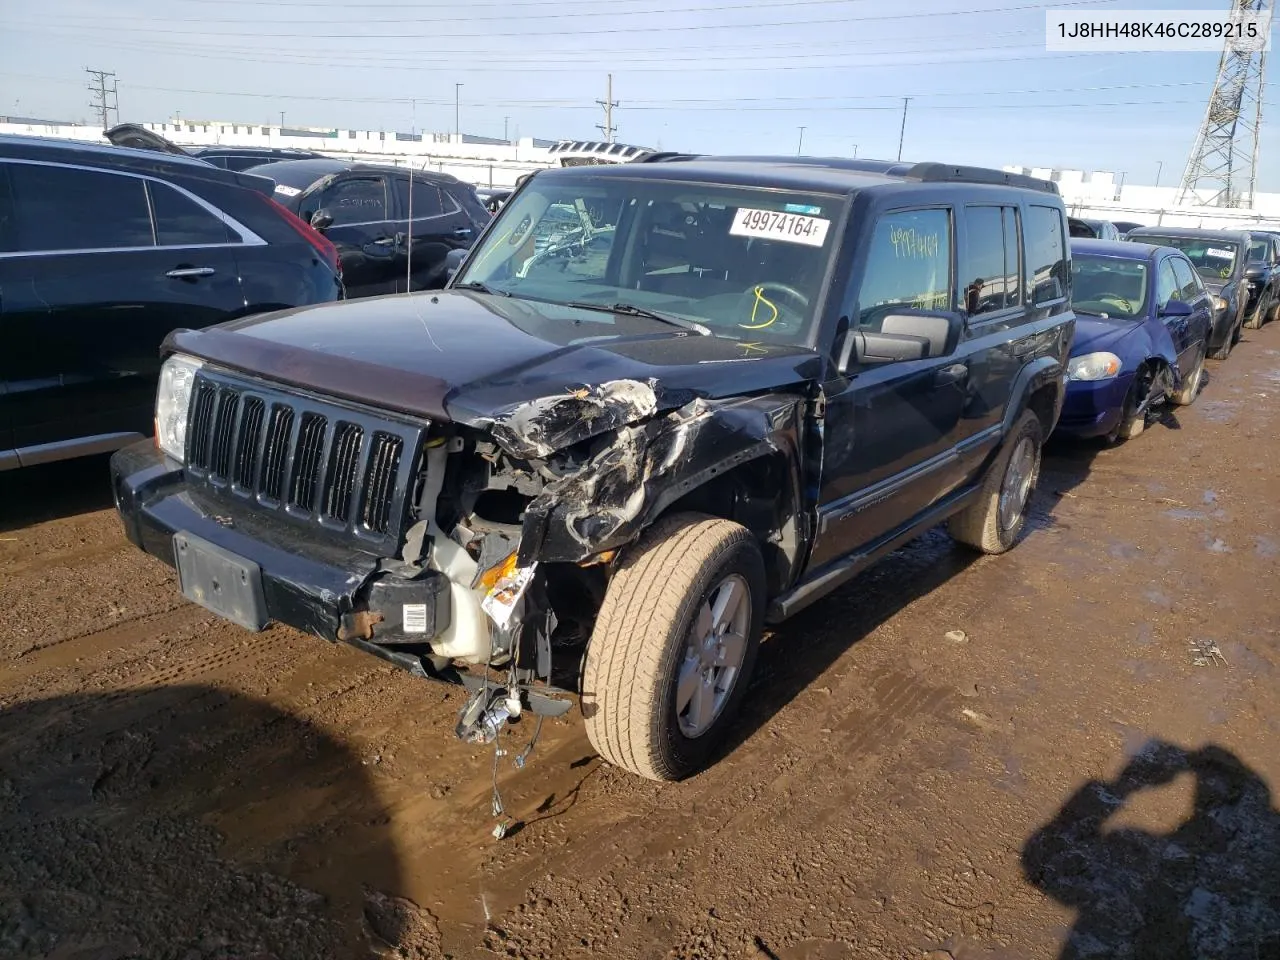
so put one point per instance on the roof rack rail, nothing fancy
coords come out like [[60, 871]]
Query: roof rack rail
[[931, 172]]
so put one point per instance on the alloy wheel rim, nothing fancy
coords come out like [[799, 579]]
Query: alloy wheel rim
[[713, 655], [1016, 489]]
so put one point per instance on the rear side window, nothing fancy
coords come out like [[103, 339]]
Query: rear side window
[[426, 199], [60, 208], [1046, 254], [908, 265], [356, 200], [180, 221], [990, 273], [1189, 285]]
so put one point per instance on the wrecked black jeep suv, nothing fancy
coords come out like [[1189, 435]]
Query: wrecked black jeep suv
[[659, 406]]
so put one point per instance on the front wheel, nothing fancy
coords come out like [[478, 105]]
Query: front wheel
[[1191, 382], [674, 646], [995, 520]]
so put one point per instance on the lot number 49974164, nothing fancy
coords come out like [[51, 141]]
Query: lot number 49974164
[[770, 224]]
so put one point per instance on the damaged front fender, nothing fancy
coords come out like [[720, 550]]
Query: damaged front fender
[[645, 468]]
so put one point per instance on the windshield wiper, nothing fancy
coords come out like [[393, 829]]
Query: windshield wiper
[[631, 310], [480, 288]]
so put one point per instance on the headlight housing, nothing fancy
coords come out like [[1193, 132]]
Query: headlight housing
[[1219, 303], [1094, 366], [173, 403]]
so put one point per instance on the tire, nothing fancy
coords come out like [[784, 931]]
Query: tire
[[1131, 426], [1255, 320], [981, 525], [1274, 313], [642, 644], [1224, 351], [1191, 383]]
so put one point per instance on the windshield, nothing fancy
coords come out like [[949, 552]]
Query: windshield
[[746, 263], [1213, 259], [1108, 286]]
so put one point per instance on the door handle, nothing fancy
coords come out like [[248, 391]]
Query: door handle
[[952, 375], [189, 273], [462, 232], [386, 241]]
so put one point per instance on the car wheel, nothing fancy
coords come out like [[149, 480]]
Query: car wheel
[[1191, 382], [1254, 320], [1224, 351], [674, 645], [1132, 424], [995, 520], [1274, 313]]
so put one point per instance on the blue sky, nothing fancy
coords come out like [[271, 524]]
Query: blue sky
[[700, 75]]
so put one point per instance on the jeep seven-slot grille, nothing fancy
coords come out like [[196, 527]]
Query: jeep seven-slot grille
[[306, 458]]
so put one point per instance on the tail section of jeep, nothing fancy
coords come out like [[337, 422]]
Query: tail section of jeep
[[660, 405]]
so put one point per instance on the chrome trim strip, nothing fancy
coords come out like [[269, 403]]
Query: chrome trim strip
[[69, 449], [9, 460], [247, 237]]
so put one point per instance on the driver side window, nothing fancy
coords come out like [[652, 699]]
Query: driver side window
[[908, 266], [1166, 283], [1189, 285]]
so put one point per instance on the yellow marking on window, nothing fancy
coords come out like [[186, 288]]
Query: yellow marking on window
[[755, 307]]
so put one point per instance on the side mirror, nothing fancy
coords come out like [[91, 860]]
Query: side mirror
[[322, 220], [909, 336], [452, 261], [1176, 308]]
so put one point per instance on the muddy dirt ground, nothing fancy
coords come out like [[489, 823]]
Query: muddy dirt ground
[[1092, 771]]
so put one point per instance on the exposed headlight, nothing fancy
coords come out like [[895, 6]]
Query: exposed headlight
[[173, 401], [1094, 366], [1219, 303]]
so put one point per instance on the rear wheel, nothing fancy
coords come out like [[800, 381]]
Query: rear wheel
[[995, 520], [674, 646]]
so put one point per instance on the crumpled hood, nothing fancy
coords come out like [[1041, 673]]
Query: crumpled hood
[[541, 376]]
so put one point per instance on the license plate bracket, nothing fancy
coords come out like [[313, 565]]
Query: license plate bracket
[[220, 581]]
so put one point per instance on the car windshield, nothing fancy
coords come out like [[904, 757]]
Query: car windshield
[[744, 262], [1212, 258], [1108, 286]]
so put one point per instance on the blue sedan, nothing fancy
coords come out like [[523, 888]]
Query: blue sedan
[[1142, 325]]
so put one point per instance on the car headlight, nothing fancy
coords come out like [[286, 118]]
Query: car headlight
[[173, 402], [1093, 366], [1219, 303]]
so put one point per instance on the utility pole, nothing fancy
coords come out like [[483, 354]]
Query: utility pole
[[855, 151], [903, 132], [505, 122], [457, 110], [1159, 167], [282, 123], [104, 97], [800, 145], [608, 103], [1120, 188]]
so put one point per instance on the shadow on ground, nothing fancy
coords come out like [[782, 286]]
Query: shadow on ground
[[110, 847], [55, 490], [1208, 888]]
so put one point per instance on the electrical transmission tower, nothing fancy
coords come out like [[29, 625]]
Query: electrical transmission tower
[[607, 128], [1223, 165], [104, 96]]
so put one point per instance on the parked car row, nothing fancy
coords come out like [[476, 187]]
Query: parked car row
[[1150, 309]]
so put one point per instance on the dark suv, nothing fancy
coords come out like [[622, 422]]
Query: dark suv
[[103, 251], [388, 223], [605, 462]]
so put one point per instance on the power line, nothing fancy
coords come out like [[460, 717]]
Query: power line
[[105, 98], [384, 64], [597, 11], [666, 28]]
